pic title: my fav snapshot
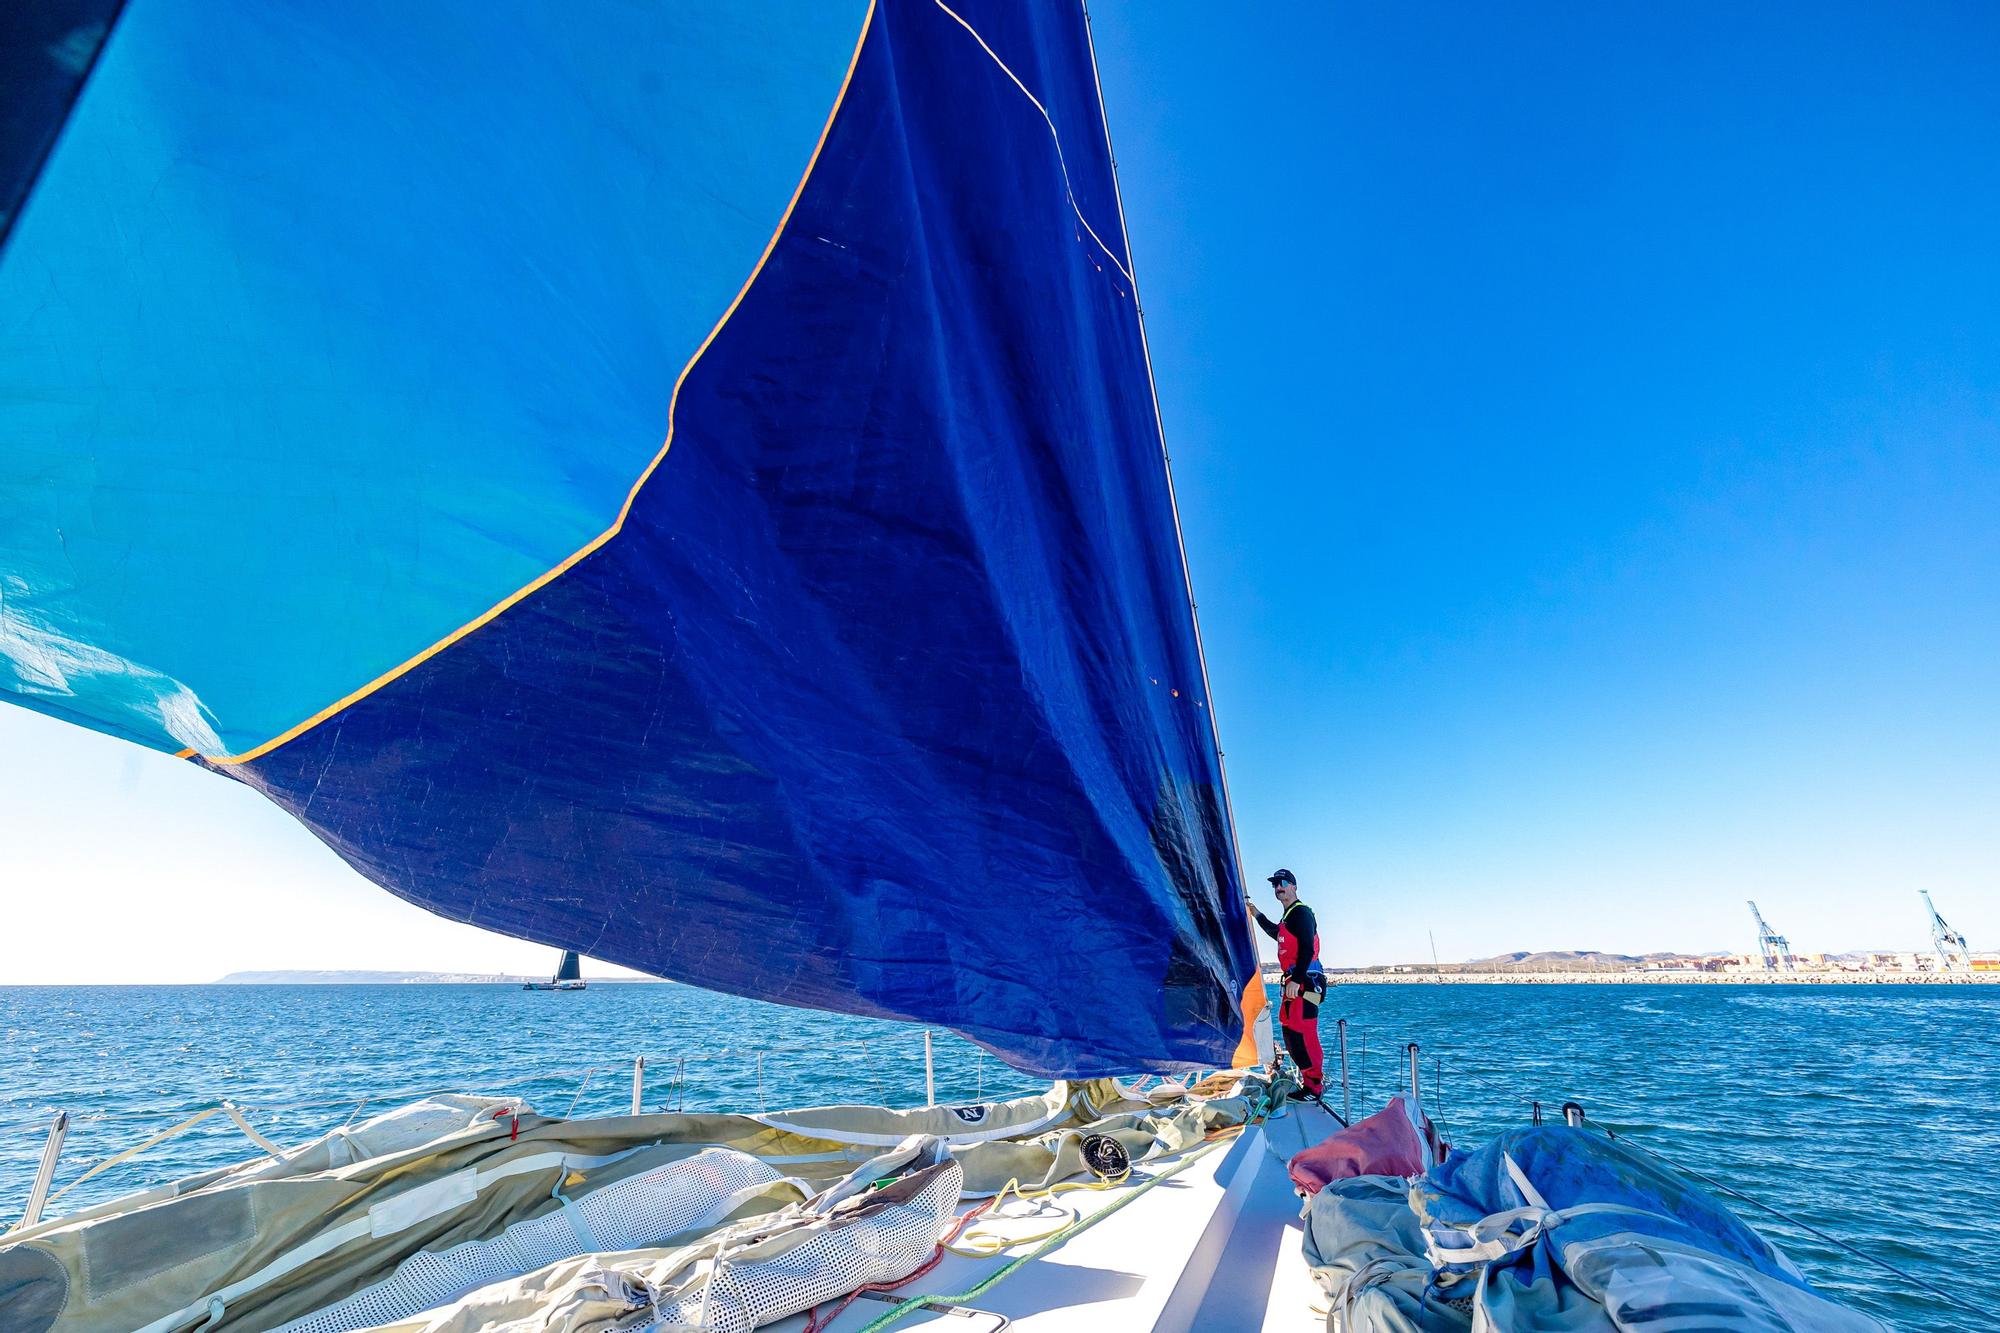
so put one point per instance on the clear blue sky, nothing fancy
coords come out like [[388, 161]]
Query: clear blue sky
[[1587, 427]]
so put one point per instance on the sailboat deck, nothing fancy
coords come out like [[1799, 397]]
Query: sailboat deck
[[1215, 1248]]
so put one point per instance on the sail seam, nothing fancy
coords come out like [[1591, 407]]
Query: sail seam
[[1056, 138], [631, 495]]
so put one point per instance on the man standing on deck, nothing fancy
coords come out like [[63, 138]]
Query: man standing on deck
[[1297, 934]]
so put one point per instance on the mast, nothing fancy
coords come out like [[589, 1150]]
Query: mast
[[1953, 955], [1777, 950]]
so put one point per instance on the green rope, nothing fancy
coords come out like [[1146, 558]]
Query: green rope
[[1081, 1224]]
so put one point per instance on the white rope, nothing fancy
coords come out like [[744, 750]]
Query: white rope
[[579, 1091], [1061, 162], [137, 1148], [250, 1132], [174, 1131]]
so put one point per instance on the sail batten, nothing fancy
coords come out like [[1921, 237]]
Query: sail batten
[[883, 695]]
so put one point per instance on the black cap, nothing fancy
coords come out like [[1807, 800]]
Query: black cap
[[1284, 877]]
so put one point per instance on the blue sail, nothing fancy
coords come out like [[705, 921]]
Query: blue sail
[[677, 483]]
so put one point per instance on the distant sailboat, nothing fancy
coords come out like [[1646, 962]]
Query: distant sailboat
[[569, 975]]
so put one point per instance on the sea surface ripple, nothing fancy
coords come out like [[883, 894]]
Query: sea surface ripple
[[1871, 1113]]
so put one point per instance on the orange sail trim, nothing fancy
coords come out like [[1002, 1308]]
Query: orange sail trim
[[625, 511], [1253, 1005]]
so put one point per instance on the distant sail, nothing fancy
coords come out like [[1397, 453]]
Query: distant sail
[[675, 482], [570, 968]]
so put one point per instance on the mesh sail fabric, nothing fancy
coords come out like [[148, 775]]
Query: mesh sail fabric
[[743, 1277], [879, 1238], [647, 1209], [827, 642]]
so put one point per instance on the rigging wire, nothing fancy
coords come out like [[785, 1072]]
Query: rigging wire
[[193, 1114], [40, 1124]]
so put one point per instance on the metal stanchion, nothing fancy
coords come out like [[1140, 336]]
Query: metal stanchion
[[1346, 1093], [38, 1193]]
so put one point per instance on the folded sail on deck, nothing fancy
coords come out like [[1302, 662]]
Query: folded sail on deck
[[678, 483]]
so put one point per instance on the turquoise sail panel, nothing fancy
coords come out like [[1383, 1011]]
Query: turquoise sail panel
[[885, 698], [327, 327]]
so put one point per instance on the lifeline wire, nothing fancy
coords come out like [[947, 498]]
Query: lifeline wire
[[1947, 1297]]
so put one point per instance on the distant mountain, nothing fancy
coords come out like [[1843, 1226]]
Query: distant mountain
[[1558, 958], [362, 977], [359, 977], [1545, 960]]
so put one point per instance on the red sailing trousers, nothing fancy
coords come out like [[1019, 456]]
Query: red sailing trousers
[[1300, 1017], [1300, 1020]]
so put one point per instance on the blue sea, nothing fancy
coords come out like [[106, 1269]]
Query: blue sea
[[1869, 1112]]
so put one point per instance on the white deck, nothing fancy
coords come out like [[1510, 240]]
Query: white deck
[[1216, 1248]]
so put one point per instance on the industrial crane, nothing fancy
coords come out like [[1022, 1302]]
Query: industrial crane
[[1953, 955], [1777, 950]]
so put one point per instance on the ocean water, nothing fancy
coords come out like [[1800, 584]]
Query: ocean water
[[1869, 1112]]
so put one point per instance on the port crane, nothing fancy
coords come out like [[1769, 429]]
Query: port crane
[[1777, 950], [1953, 955]]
